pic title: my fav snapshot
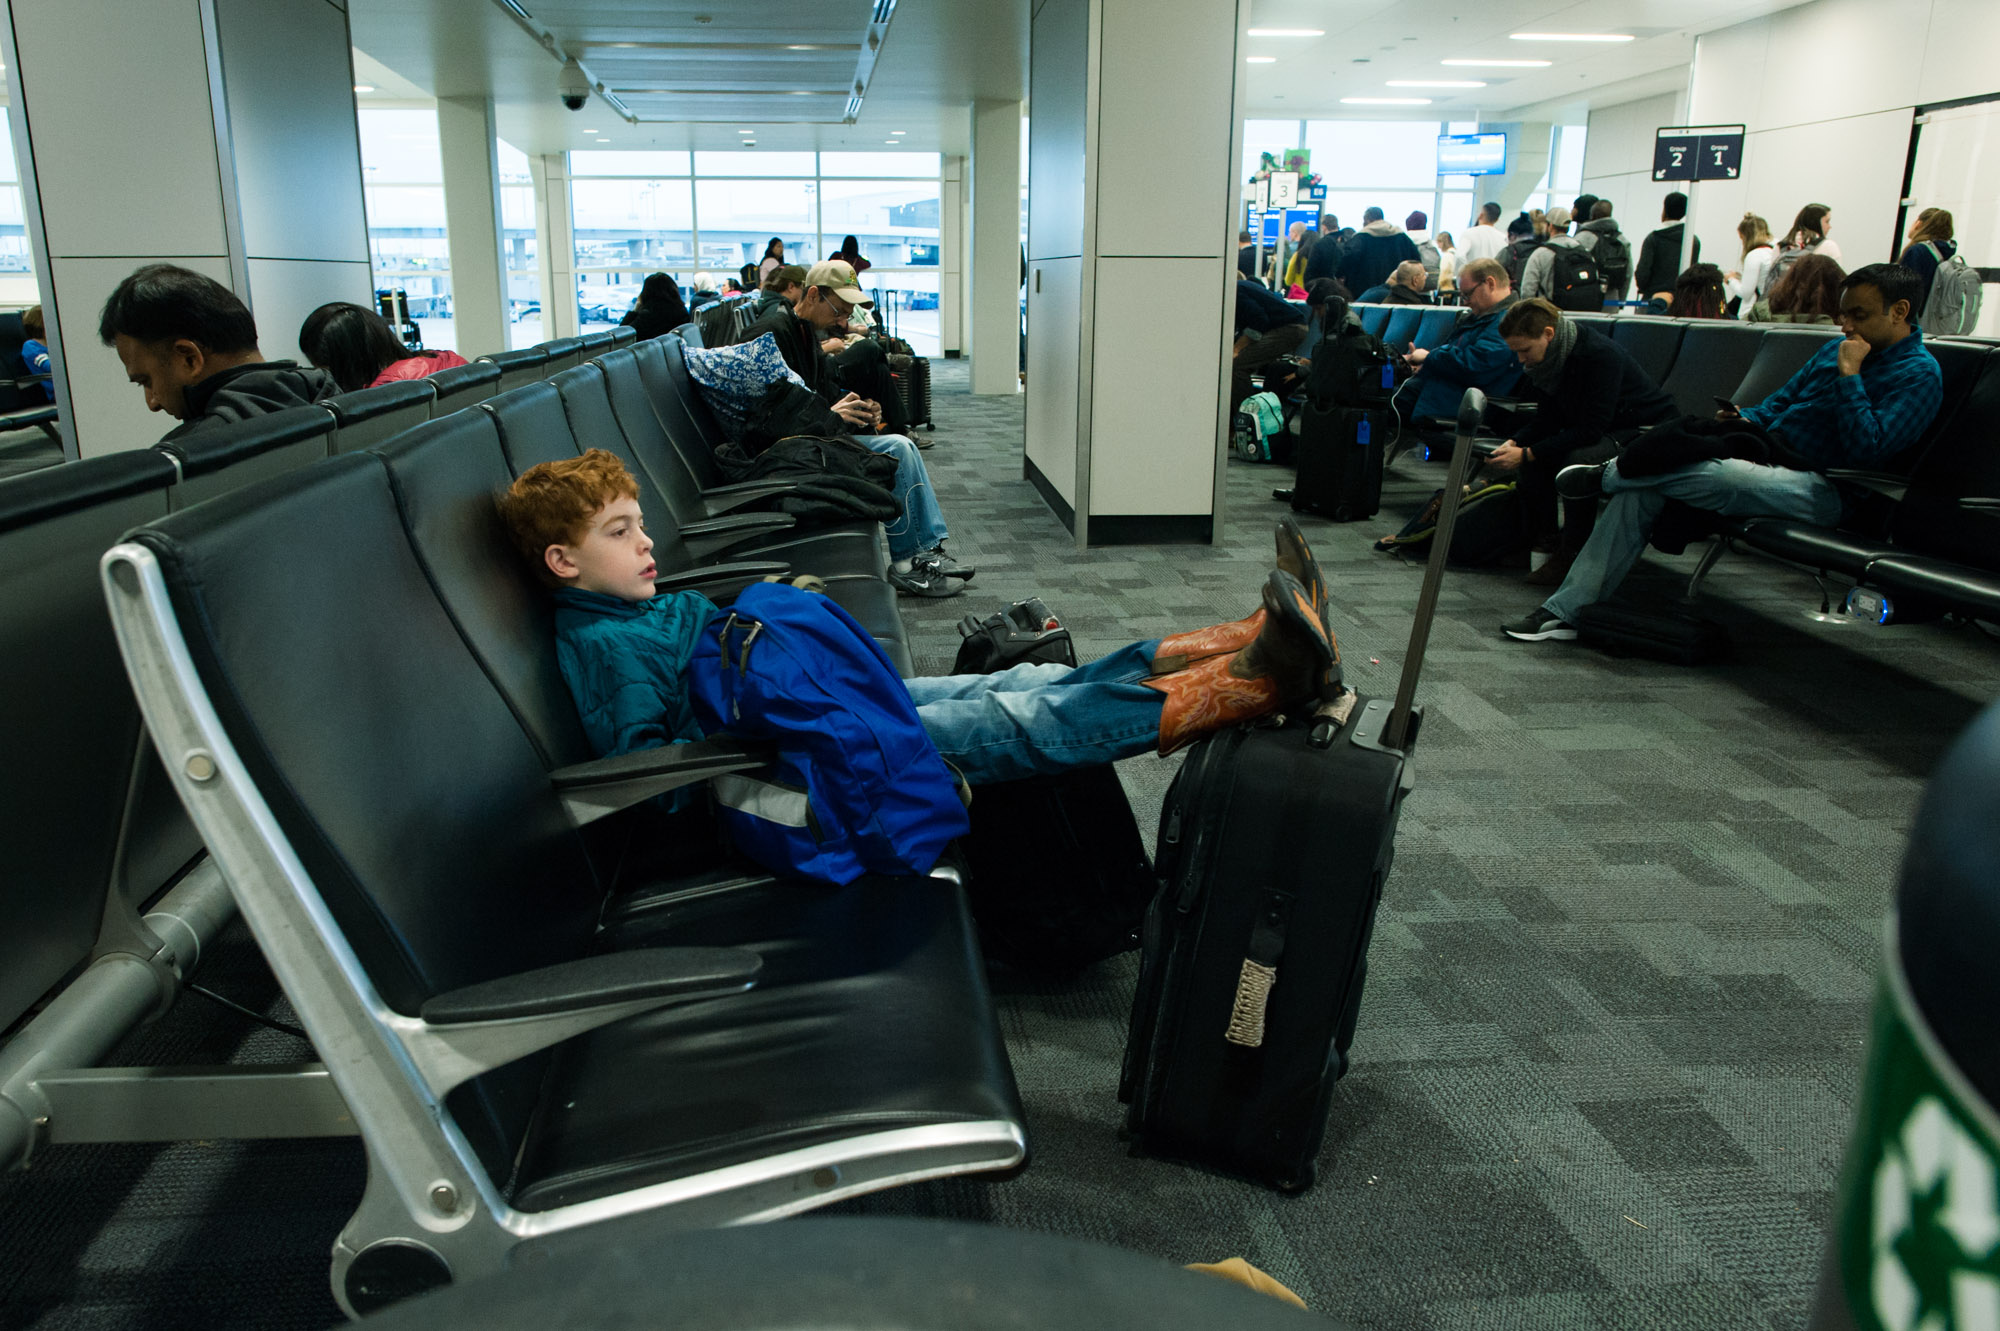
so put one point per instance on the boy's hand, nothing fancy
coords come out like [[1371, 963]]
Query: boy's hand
[[854, 411]]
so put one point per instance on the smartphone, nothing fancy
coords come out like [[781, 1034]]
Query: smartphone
[[1728, 406]]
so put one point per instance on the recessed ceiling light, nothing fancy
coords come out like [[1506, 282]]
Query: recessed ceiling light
[[359, 87], [899, 131], [1571, 36], [1497, 64], [1288, 32], [892, 143], [1260, 60], [798, 48], [1385, 101], [1435, 83]]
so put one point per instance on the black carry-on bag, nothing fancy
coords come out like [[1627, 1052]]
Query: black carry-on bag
[[1340, 461], [1274, 843]]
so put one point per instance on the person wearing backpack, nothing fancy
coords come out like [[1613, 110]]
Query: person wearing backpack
[[1607, 245], [643, 667], [1807, 236], [1563, 272], [1521, 242], [1660, 256], [1427, 250], [1951, 299]]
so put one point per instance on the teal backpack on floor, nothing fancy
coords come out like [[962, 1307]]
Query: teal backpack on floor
[[1259, 421], [857, 787]]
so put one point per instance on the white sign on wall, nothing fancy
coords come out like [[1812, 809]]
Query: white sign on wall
[[1284, 188]]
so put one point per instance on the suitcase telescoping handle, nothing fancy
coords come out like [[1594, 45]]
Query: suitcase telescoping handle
[[1471, 411]]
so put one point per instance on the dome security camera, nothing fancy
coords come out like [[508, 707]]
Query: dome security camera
[[572, 86]]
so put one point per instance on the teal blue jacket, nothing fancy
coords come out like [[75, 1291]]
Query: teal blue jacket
[[626, 666]]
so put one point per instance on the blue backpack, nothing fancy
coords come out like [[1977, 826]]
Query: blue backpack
[[857, 787]]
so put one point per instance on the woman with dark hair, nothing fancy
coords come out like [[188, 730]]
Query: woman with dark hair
[[1930, 245], [774, 257], [659, 308], [850, 254], [1699, 294], [1808, 293], [1810, 231], [358, 348]]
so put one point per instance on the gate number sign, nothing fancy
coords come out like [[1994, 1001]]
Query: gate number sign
[[1698, 152]]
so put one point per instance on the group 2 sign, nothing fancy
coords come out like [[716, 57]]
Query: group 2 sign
[[1698, 152]]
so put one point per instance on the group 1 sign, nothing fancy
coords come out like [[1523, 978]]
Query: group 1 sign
[[1698, 152]]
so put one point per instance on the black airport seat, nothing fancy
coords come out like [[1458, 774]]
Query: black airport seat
[[91, 832], [689, 332], [533, 423], [691, 428], [624, 335], [522, 366], [595, 421], [221, 457], [1374, 318], [463, 385], [564, 352], [1714, 356], [365, 418], [411, 869], [1654, 343], [1782, 353]]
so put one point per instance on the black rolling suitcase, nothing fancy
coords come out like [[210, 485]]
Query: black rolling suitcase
[[917, 394], [1340, 461], [1275, 840]]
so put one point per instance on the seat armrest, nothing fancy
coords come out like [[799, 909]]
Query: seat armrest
[[594, 982], [716, 581], [1882, 483], [1981, 505], [461, 1034], [592, 790], [725, 498], [739, 524]]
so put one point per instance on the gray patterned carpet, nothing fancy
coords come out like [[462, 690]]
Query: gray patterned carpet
[[1615, 1004]]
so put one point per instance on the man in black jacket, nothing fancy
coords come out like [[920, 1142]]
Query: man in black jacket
[[1591, 398], [191, 345], [1373, 253], [1660, 257], [1267, 327]]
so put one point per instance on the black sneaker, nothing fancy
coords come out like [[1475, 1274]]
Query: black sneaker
[[1583, 481], [924, 578], [952, 568], [1538, 625]]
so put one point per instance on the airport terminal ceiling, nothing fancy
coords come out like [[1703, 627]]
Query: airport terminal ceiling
[[695, 71]]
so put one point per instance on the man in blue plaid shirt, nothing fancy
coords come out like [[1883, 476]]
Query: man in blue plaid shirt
[[1858, 403]]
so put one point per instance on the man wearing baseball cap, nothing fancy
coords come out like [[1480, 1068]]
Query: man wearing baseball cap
[[830, 295]]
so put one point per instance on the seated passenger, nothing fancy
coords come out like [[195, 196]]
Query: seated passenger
[[1808, 292], [921, 566], [1268, 327], [860, 370], [1474, 356], [659, 309], [1591, 398], [1699, 293], [191, 346], [624, 649], [35, 352], [1859, 402], [1406, 286], [360, 350]]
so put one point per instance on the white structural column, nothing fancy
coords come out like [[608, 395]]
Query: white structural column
[[1132, 154], [555, 244], [468, 145], [996, 247], [951, 258], [218, 135], [1528, 144]]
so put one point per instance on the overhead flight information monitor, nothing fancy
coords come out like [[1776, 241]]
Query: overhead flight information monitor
[[1472, 154]]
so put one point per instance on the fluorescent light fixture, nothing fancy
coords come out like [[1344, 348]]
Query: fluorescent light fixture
[[359, 87], [1260, 60], [1385, 101], [1435, 83], [1497, 64], [899, 131], [1288, 32], [1570, 36]]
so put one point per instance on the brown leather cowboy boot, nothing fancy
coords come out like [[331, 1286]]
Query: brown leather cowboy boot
[[1296, 558], [1182, 650], [1282, 664]]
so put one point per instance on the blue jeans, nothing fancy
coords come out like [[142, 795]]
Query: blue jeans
[[1042, 718], [1730, 486], [921, 527]]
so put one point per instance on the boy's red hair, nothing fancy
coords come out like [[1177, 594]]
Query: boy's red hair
[[552, 503]]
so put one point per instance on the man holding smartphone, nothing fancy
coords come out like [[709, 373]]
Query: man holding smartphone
[[1858, 403]]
